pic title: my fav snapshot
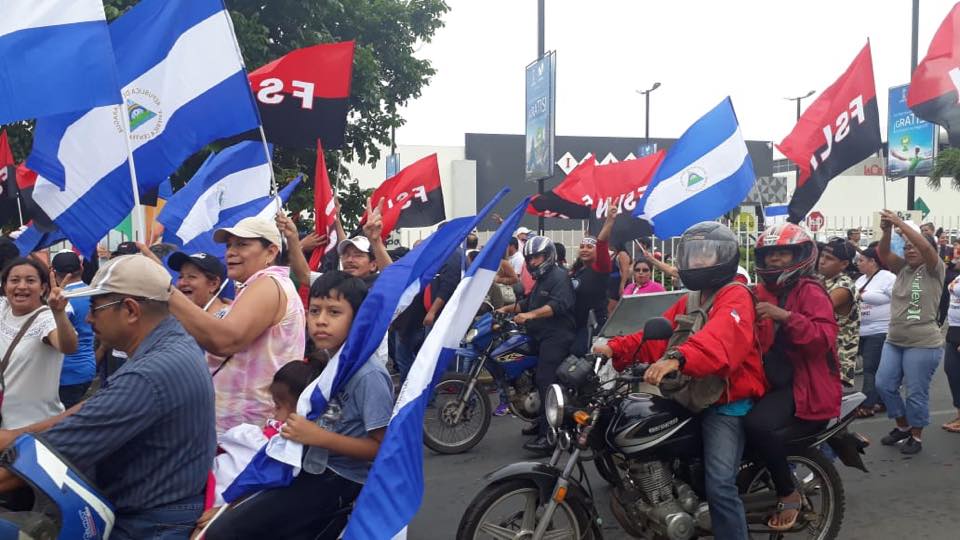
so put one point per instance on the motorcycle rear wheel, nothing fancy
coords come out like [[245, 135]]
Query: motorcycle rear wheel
[[480, 521], [444, 435], [819, 481]]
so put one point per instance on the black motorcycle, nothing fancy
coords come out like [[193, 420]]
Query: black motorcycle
[[651, 450]]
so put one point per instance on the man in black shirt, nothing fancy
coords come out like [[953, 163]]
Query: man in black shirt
[[548, 315]]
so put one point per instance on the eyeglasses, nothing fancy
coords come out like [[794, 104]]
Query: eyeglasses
[[108, 304]]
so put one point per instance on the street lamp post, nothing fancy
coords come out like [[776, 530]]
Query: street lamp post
[[798, 99], [646, 97]]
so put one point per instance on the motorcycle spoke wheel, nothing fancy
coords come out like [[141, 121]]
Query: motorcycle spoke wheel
[[443, 430], [501, 519]]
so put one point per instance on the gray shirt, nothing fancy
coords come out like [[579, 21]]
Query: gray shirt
[[365, 404], [914, 307]]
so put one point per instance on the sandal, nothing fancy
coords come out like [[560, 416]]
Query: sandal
[[865, 412], [879, 408], [952, 426], [784, 506]]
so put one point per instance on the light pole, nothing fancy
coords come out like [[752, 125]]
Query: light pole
[[912, 180], [646, 97], [798, 99]]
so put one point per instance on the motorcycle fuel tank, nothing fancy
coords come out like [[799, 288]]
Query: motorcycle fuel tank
[[513, 348], [645, 423]]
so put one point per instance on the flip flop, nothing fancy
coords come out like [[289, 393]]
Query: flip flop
[[952, 426], [781, 507], [864, 412]]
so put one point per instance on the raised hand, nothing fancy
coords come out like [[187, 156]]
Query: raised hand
[[55, 300], [373, 227]]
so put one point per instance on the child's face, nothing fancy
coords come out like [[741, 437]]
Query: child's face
[[284, 404], [329, 320]]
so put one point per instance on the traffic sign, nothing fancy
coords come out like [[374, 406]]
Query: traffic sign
[[815, 221]]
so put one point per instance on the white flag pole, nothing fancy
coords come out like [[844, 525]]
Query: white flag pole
[[139, 220], [20, 211]]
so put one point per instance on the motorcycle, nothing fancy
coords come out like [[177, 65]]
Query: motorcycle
[[57, 502], [459, 411], [654, 447]]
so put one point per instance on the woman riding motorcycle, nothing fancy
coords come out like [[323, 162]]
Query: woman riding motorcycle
[[726, 345], [798, 336]]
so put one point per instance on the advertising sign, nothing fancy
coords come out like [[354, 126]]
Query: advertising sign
[[912, 142], [541, 91]]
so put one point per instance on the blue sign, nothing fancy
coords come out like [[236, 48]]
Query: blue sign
[[911, 142], [646, 149], [393, 165], [541, 82]]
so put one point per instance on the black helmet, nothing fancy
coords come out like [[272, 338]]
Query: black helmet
[[539, 245], [708, 256]]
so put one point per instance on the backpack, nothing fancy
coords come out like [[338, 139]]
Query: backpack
[[696, 394]]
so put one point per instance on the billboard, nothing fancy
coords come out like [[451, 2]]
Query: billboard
[[911, 142], [541, 92]]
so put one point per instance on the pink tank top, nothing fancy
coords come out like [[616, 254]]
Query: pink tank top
[[242, 386]]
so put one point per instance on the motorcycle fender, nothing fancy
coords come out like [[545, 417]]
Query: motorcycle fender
[[545, 477], [848, 448]]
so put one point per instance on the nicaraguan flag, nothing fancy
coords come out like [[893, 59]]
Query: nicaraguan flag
[[183, 86], [32, 239], [227, 182], [705, 173], [394, 488], [55, 57], [279, 460]]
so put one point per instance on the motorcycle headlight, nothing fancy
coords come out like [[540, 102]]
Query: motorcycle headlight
[[553, 407], [471, 334]]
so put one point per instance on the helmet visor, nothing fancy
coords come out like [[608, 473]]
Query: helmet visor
[[696, 253]]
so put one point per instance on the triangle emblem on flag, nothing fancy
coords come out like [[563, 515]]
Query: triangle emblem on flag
[[139, 114]]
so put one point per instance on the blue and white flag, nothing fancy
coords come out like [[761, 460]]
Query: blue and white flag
[[705, 173], [775, 214], [184, 86], [279, 460], [32, 239], [228, 181], [55, 57], [394, 488]]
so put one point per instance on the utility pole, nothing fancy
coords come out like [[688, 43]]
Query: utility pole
[[540, 53], [798, 99], [912, 180]]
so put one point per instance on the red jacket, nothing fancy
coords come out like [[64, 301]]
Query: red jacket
[[811, 338], [726, 345]]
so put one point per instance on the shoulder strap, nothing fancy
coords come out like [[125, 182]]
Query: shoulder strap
[[16, 341]]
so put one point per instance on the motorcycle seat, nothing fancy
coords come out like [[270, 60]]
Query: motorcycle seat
[[800, 433]]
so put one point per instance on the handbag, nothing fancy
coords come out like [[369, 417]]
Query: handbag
[[9, 354]]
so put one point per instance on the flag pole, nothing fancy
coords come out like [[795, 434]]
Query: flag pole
[[139, 219], [20, 211]]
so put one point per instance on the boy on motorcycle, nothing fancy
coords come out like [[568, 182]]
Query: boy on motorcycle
[[726, 346], [798, 336]]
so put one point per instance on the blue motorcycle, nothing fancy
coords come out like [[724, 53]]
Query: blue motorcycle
[[57, 502], [458, 415]]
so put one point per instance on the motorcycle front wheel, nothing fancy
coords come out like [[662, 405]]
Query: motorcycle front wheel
[[513, 509], [822, 514], [443, 430]]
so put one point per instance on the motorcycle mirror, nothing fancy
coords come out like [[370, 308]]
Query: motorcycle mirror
[[657, 328]]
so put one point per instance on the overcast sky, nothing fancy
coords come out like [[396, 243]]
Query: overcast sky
[[757, 52]]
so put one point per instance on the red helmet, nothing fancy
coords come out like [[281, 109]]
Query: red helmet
[[786, 236]]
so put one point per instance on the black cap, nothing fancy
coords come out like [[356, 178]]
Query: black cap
[[840, 248], [204, 261], [66, 262], [126, 248]]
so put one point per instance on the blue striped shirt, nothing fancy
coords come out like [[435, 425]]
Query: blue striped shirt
[[148, 438]]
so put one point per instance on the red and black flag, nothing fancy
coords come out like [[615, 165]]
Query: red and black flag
[[303, 96], [837, 131], [583, 194], [412, 198], [934, 93], [8, 182], [26, 179], [324, 212]]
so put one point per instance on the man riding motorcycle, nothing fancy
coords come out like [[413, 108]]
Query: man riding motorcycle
[[726, 346], [548, 315]]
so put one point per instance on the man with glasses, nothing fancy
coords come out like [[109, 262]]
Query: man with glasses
[[148, 437]]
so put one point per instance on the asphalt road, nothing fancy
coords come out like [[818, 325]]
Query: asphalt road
[[914, 497]]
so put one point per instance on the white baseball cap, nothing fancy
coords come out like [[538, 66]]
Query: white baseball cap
[[133, 275], [251, 227], [359, 242], [522, 230]]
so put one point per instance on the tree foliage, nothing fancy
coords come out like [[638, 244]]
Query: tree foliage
[[386, 76], [946, 165]]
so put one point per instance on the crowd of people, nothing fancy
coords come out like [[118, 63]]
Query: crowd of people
[[149, 368]]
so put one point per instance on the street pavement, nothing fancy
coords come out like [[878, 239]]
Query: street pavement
[[901, 497]]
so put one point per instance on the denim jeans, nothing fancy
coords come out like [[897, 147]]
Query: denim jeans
[[914, 368], [870, 349], [171, 522], [723, 441]]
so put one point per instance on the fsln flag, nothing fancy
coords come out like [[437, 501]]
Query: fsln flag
[[55, 57], [274, 464], [26, 182], [839, 129], [8, 170], [704, 174], [412, 198], [934, 93], [324, 211], [394, 488], [303, 96], [184, 86], [232, 178]]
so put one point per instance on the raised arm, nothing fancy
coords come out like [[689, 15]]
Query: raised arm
[[892, 260], [372, 229], [298, 263], [64, 338], [929, 254]]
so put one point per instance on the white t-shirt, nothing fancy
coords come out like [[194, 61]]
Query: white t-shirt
[[875, 302], [516, 260], [953, 313], [33, 374]]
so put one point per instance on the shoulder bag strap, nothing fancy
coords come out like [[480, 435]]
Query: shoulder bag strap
[[13, 345], [227, 359]]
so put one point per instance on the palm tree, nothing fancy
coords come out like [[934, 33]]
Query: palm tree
[[946, 165]]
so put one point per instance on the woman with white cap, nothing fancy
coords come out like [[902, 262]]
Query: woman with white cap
[[263, 329]]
